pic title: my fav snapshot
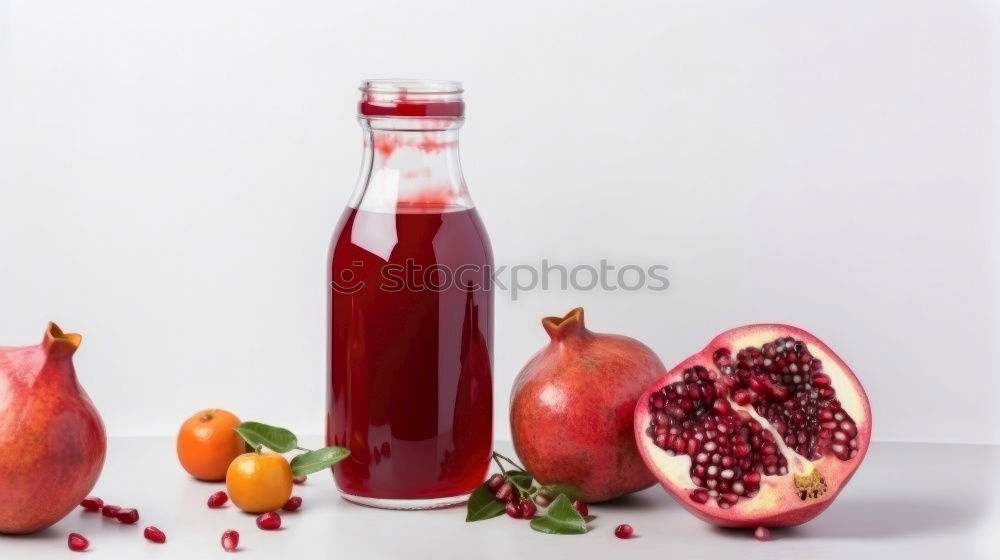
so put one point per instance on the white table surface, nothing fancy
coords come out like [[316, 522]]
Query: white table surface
[[892, 509]]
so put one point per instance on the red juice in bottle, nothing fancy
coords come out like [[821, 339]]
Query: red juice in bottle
[[410, 310]]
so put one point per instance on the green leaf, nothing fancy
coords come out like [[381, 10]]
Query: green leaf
[[560, 519], [315, 461], [520, 479], [571, 492], [271, 437], [483, 504]]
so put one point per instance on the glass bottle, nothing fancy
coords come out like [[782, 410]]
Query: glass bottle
[[410, 318]]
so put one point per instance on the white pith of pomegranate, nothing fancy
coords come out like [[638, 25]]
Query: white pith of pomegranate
[[763, 427]]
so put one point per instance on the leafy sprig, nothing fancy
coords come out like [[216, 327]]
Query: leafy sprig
[[280, 440], [560, 517]]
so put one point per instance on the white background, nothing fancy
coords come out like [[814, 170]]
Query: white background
[[170, 174]]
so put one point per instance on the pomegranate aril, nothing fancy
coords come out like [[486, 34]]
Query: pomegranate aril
[[513, 510], [656, 400], [127, 516], [77, 542], [293, 504], [301, 479], [153, 534], [108, 510], [722, 406], [505, 492], [722, 357], [699, 496], [528, 509], [230, 540], [92, 503], [269, 521], [218, 500], [623, 531], [762, 534], [542, 500], [581, 508], [494, 482]]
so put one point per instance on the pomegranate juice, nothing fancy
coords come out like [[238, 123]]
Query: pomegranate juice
[[410, 364]]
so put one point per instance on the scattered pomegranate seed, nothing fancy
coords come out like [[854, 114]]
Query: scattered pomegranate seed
[[623, 531], [127, 516], [108, 510], [528, 509], [494, 482], [153, 534], [762, 534], [293, 504], [77, 542], [269, 521], [299, 479], [217, 500], [513, 510], [92, 503], [581, 508], [230, 540], [542, 500]]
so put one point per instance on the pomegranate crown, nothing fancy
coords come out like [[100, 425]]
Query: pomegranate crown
[[59, 343], [560, 327]]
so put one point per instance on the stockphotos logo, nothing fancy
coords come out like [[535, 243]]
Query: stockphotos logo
[[515, 280]]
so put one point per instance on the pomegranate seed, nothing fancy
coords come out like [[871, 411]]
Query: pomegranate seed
[[230, 540], [92, 503], [127, 516], [153, 534], [77, 542], [722, 406], [762, 534], [623, 531], [505, 492], [293, 504], [513, 510], [217, 500], [108, 510], [269, 521], [542, 500], [528, 509], [494, 482], [581, 508], [299, 479]]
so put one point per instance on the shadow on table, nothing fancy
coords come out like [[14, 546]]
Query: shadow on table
[[648, 500], [878, 519], [46, 533]]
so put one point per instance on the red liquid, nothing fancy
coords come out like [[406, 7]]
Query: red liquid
[[410, 365]]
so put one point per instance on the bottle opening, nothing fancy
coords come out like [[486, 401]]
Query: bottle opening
[[411, 98]]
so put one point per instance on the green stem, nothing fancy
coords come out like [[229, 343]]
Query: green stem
[[509, 460], [497, 461]]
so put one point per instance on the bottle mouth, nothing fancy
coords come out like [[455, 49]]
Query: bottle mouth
[[411, 99]]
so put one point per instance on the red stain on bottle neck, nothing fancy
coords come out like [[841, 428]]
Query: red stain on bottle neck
[[386, 144], [404, 108]]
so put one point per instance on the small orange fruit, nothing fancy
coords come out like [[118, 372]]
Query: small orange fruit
[[259, 482], [207, 443]]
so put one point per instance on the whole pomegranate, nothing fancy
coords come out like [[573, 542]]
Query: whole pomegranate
[[52, 438], [762, 428], [572, 405]]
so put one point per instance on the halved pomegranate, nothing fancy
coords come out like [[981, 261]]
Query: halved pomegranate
[[762, 428]]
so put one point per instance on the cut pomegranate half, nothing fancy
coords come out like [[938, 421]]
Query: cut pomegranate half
[[762, 428]]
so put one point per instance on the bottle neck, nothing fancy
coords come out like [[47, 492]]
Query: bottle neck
[[411, 166]]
